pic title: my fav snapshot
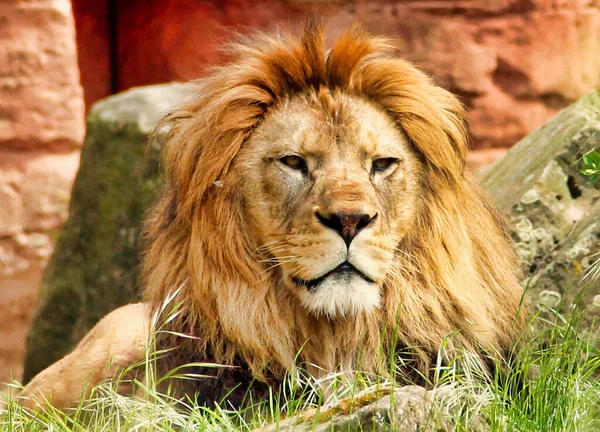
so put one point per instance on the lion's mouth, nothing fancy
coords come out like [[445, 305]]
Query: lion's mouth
[[345, 267]]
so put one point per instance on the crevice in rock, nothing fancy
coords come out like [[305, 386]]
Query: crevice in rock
[[554, 100], [113, 27], [574, 188], [511, 80]]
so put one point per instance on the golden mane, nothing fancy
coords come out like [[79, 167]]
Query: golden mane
[[456, 270]]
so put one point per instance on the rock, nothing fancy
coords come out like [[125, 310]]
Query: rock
[[41, 130], [11, 212], [478, 160], [94, 268], [34, 198], [554, 216], [408, 408], [19, 293], [95, 34], [46, 189], [35, 189], [372, 411], [42, 103]]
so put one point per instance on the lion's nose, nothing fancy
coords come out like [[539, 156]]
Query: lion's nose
[[346, 225]]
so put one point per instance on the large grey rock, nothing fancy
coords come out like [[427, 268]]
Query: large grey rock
[[553, 214], [94, 268]]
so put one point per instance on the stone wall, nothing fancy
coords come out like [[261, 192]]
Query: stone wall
[[41, 130]]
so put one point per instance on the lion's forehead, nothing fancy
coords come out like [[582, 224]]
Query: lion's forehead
[[354, 129]]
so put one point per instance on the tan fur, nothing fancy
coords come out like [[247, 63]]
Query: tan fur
[[118, 341], [236, 225], [453, 270]]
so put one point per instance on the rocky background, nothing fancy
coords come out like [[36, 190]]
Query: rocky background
[[41, 132], [514, 63]]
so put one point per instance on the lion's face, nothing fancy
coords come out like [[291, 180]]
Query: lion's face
[[330, 188]]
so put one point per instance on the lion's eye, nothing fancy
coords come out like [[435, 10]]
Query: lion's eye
[[383, 164], [294, 162]]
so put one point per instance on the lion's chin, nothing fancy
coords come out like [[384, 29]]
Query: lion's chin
[[341, 295]]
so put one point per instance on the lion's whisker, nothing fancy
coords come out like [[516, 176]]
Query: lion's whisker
[[280, 259], [275, 266]]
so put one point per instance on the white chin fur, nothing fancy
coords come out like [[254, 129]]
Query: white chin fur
[[343, 294]]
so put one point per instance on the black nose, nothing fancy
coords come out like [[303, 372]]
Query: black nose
[[346, 225]]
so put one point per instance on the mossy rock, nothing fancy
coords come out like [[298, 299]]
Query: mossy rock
[[554, 215], [94, 268]]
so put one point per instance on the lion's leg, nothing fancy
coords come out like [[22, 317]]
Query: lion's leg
[[116, 342]]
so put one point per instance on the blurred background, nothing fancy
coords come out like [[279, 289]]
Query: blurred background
[[514, 63]]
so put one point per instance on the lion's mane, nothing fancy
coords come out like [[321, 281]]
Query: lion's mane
[[457, 267]]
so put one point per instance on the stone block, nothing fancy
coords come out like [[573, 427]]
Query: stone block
[[41, 103]]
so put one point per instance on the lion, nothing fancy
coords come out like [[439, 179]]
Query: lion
[[317, 213]]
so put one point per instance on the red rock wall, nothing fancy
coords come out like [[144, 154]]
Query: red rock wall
[[41, 130], [94, 48], [513, 62]]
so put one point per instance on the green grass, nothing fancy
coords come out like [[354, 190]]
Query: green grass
[[552, 385]]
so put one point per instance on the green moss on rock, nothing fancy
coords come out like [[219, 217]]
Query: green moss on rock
[[554, 215], [95, 264]]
